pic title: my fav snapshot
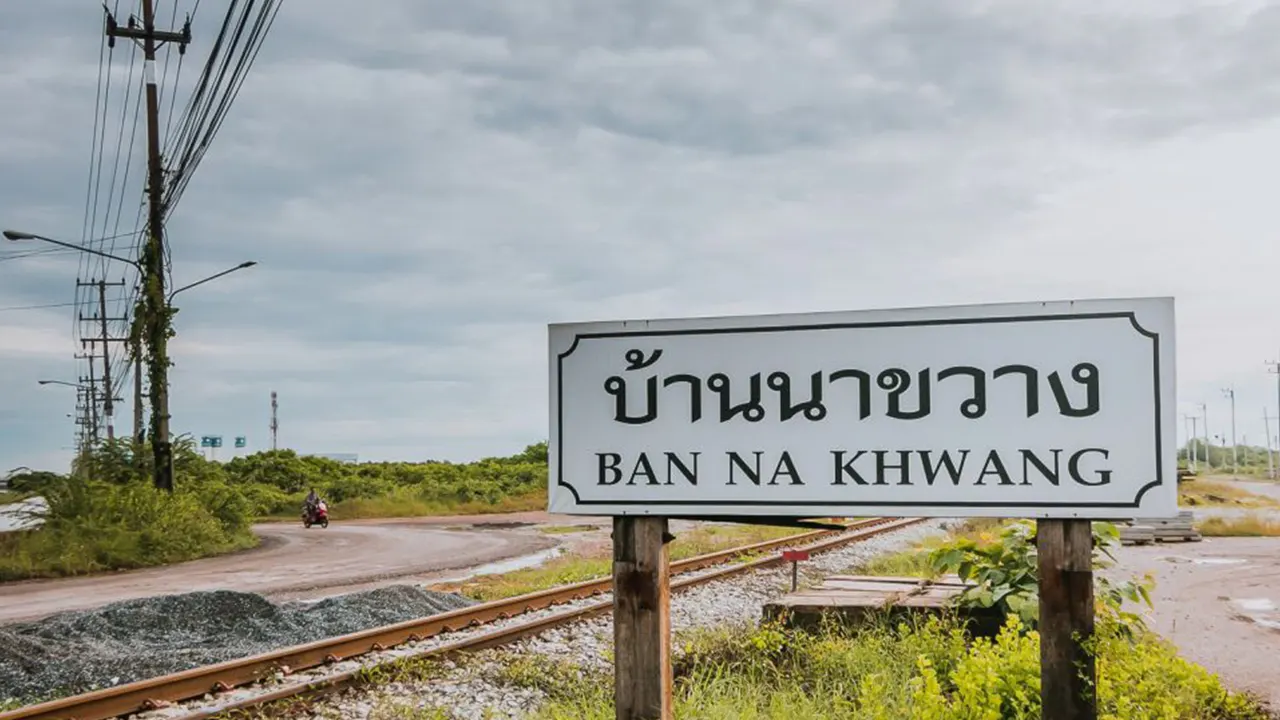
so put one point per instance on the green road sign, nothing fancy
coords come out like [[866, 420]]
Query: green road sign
[[210, 441], [240, 441]]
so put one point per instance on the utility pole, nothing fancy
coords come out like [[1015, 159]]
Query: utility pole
[[1266, 423], [1192, 440], [1235, 465], [1273, 367], [1204, 414], [108, 399], [275, 424], [153, 306], [91, 401]]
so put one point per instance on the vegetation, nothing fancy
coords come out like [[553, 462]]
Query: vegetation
[[105, 515], [123, 522], [924, 671], [565, 570], [1208, 492], [1251, 459], [1245, 526]]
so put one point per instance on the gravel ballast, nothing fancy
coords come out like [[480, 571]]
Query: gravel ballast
[[470, 691], [76, 652]]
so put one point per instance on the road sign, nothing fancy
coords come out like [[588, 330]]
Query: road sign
[[210, 441], [240, 441], [1061, 409]]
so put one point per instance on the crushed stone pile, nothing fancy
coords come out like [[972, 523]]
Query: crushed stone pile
[[75, 652]]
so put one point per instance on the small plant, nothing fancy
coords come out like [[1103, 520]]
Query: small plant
[[1004, 570]]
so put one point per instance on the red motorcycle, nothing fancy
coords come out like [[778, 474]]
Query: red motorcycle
[[318, 514]]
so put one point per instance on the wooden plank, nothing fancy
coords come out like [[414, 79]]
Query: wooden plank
[[641, 619], [1067, 671]]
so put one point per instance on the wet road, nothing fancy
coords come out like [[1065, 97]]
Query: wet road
[[294, 562]]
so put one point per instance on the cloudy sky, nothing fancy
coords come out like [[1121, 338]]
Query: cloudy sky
[[427, 184]]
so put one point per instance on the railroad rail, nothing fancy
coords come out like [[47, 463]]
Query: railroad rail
[[154, 693]]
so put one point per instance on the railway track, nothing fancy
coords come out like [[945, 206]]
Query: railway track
[[222, 678]]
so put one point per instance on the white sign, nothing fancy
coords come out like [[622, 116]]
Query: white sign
[[1043, 410]]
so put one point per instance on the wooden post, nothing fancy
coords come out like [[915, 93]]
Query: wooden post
[[1068, 675], [641, 619]]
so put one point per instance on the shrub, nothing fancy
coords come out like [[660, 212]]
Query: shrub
[[121, 521], [912, 671]]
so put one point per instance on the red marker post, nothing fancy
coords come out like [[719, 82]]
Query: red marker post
[[795, 556]]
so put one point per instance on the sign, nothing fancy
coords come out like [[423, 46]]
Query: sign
[[210, 441], [240, 441], [1042, 410]]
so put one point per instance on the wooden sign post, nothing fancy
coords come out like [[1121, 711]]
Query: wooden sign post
[[1064, 412], [641, 618], [1068, 674]]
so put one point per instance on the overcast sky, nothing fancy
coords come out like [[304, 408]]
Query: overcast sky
[[428, 183]]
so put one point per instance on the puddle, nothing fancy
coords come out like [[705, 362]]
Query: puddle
[[503, 566], [1256, 604], [1204, 560]]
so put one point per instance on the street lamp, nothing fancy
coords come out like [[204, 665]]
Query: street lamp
[[215, 276], [17, 235], [60, 382]]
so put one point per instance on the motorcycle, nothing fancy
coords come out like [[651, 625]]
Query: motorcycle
[[317, 515]]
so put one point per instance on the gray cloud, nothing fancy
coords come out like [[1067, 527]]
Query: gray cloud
[[426, 185]]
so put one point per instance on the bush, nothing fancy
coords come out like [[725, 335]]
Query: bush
[[118, 520], [923, 671]]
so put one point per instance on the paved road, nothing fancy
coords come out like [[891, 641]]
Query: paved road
[[1218, 601], [295, 562]]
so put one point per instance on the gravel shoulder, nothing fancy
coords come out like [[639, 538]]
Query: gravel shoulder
[[293, 563], [1218, 601]]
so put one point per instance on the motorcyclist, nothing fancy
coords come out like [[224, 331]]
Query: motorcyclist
[[311, 503]]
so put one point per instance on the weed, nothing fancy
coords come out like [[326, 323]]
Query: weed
[[1252, 525]]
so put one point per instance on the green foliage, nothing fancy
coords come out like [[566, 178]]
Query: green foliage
[[1005, 572], [107, 517], [279, 479], [927, 670]]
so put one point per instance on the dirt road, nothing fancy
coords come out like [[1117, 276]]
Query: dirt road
[[1219, 601], [294, 562]]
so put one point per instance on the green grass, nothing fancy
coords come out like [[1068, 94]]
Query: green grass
[[914, 561], [565, 529], [402, 505], [923, 671], [565, 570], [8, 497], [1245, 526], [95, 527]]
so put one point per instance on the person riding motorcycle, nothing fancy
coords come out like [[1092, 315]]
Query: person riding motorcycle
[[312, 503]]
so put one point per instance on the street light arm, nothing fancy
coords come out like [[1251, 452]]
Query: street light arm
[[16, 235], [228, 271]]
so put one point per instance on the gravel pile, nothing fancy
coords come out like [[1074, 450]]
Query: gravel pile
[[469, 692], [75, 652]]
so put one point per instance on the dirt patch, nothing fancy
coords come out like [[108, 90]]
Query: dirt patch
[[1218, 601]]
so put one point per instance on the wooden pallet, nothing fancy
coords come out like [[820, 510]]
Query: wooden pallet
[[854, 599]]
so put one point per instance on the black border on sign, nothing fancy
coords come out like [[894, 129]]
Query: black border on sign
[[1130, 316]]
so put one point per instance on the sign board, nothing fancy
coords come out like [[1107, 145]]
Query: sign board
[[1041, 410], [210, 441], [240, 441]]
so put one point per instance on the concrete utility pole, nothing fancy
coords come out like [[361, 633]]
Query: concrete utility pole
[[1192, 451], [1235, 464], [108, 401], [1273, 367], [1266, 423], [153, 307], [275, 424], [1204, 415]]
